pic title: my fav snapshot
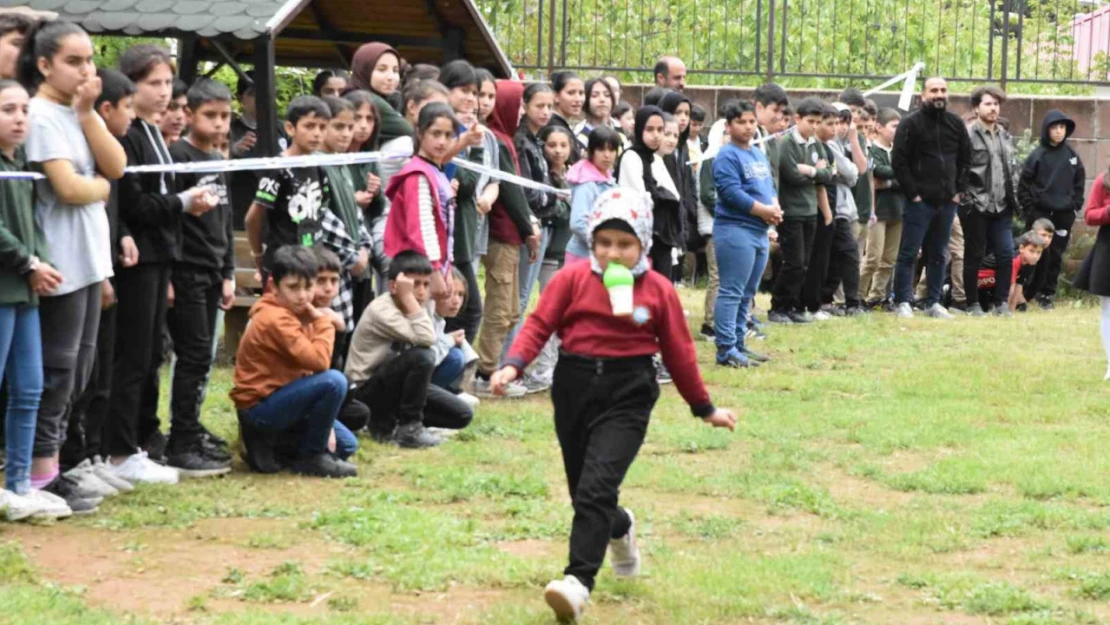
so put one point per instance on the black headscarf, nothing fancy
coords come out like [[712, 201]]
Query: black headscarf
[[646, 154], [670, 103]]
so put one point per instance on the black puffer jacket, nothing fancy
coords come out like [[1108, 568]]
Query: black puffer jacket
[[533, 166], [931, 156]]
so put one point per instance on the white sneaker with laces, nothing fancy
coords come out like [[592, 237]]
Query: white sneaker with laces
[[624, 554], [936, 311], [567, 597], [102, 471], [138, 468], [470, 400], [51, 506], [15, 507], [821, 315], [513, 390], [90, 482], [904, 311]]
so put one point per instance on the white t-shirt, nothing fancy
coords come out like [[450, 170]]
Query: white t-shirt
[[77, 235]]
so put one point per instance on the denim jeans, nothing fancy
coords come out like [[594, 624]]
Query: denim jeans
[[925, 227], [447, 372], [741, 258], [529, 275], [21, 362], [346, 443], [313, 401], [984, 231]]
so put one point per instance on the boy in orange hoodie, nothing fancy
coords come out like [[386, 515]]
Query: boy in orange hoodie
[[282, 375]]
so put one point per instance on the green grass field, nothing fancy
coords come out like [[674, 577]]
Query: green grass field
[[883, 471]]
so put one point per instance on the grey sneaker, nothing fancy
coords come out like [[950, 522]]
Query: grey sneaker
[[102, 471], [936, 311], [975, 310], [533, 386], [624, 554], [514, 390], [88, 484], [904, 311], [1003, 310]]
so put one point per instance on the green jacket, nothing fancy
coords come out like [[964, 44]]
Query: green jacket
[[798, 193], [707, 192], [862, 191], [391, 124], [772, 150], [466, 210], [20, 235], [889, 201], [560, 231]]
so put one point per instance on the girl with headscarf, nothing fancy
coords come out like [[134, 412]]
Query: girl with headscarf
[[376, 67]]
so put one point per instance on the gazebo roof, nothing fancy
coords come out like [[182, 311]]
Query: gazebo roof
[[312, 33]]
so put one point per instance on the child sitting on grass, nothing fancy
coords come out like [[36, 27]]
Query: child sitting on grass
[[454, 357], [282, 379], [604, 387], [391, 361]]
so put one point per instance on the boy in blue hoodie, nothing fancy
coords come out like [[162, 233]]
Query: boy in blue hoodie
[[746, 205], [1051, 186]]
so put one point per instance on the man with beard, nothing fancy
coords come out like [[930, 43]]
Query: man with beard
[[987, 209], [930, 158]]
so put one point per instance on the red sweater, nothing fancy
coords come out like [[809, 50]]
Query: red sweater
[[1098, 204], [576, 306]]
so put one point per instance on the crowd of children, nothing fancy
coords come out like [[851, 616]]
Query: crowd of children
[[372, 300]]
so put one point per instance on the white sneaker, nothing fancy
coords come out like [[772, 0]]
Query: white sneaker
[[624, 554], [50, 505], [104, 472], [89, 482], [471, 401], [936, 311], [138, 468], [821, 315], [15, 507], [567, 597], [904, 311], [513, 390]]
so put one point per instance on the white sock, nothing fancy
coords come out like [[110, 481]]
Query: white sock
[[1104, 327]]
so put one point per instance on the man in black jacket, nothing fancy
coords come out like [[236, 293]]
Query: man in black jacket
[[930, 158]]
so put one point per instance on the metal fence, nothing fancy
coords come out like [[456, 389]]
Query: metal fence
[[1063, 42]]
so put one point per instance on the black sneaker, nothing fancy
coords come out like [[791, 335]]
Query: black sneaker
[[193, 462], [258, 446], [415, 436], [67, 488], [776, 316], [707, 332], [324, 465], [1045, 303], [662, 376], [754, 356], [798, 317], [155, 447]]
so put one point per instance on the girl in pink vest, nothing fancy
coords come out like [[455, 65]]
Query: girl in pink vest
[[422, 217]]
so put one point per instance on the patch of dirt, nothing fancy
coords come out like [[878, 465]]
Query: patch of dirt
[[156, 571], [862, 492], [531, 548]]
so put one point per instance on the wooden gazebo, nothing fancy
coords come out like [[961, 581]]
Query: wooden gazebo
[[301, 33]]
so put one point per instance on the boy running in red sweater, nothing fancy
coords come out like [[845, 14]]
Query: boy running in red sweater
[[604, 387]]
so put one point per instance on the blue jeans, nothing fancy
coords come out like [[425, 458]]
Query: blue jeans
[[21, 362], [925, 227], [448, 372], [741, 258], [346, 443], [529, 275], [313, 401]]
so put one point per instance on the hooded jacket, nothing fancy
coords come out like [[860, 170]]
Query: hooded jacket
[[148, 206], [391, 124], [1053, 177], [682, 173], [931, 155], [278, 348], [635, 171], [575, 305], [510, 220], [587, 183], [422, 215]]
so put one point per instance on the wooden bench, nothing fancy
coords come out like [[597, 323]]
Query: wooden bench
[[248, 289]]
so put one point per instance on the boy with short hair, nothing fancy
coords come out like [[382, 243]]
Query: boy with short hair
[[203, 283], [802, 166], [282, 379], [820, 255], [1051, 186], [884, 232], [1045, 229], [1030, 247], [847, 153], [290, 203], [604, 388], [696, 143], [391, 361], [771, 104], [13, 32], [173, 121]]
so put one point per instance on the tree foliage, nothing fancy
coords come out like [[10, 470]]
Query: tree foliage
[[819, 43]]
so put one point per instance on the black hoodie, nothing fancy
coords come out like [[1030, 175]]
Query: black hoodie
[[1053, 176], [683, 174], [149, 210]]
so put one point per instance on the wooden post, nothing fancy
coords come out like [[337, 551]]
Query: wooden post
[[187, 59], [265, 96]]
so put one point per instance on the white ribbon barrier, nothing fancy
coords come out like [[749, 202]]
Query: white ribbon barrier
[[310, 160]]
